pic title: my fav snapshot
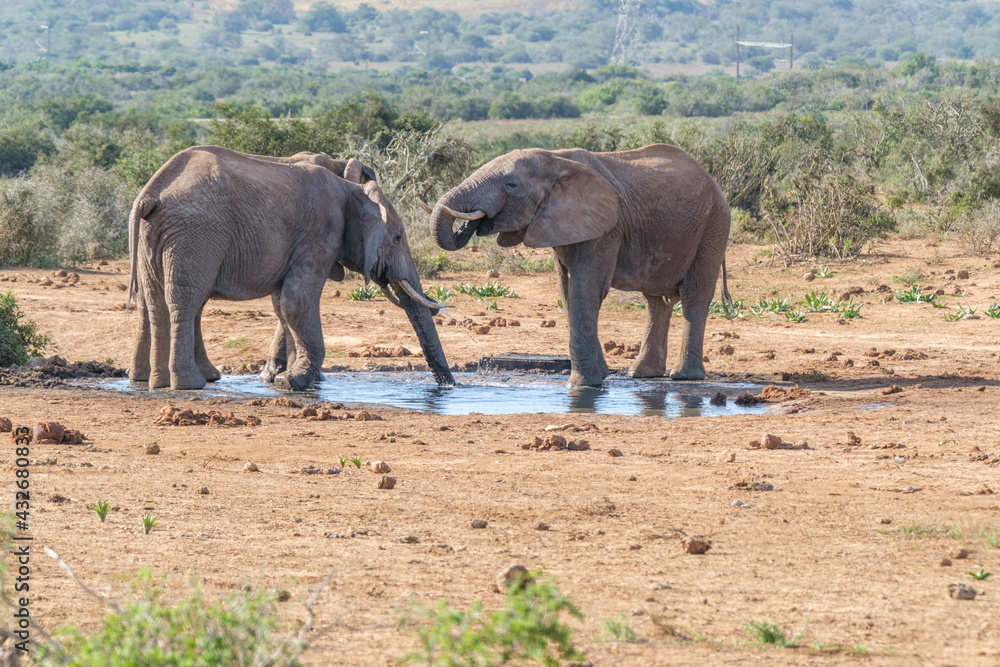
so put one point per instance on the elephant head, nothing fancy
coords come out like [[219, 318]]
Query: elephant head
[[391, 266], [534, 197]]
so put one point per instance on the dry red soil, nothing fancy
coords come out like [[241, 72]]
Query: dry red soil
[[851, 537]]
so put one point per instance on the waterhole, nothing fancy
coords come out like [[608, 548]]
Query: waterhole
[[488, 394]]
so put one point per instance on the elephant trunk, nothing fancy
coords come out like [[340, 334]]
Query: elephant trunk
[[423, 324], [450, 208]]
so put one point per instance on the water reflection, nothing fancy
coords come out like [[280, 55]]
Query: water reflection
[[489, 394]]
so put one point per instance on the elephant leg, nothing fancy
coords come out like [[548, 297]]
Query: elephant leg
[[652, 359], [300, 314], [159, 320], [184, 301], [585, 284], [281, 346], [139, 368], [691, 365], [602, 365], [205, 367]]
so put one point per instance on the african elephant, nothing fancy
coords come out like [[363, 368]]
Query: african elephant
[[650, 220], [214, 223]]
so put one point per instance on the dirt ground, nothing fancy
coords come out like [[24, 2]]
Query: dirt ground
[[849, 541]]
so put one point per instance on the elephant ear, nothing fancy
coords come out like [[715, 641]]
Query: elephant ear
[[581, 206], [364, 232], [353, 171]]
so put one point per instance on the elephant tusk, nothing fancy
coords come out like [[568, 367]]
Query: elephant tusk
[[422, 299], [475, 215], [427, 209]]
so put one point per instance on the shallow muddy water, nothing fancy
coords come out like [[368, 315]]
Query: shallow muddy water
[[488, 394]]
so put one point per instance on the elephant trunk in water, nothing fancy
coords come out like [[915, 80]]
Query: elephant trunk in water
[[423, 324]]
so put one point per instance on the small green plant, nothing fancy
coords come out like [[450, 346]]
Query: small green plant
[[914, 295], [365, 292], [819, 303], [678, 309], [770, 306], [101, 507], [770, 634], [356, 460], [183, 453], [910, 277], [963, 312], [796, 316], [492, 290], [823, 272], [527, 629], [148, 523], [993, 312], [848, 310], [343, 461], [982, 575], [494, 306], [19, 338], [439, 293], [236, 342], [731, 309], [559, 305], [619, 629], [109, 361]]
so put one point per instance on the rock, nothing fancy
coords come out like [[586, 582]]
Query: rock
[[45, 282], [810, 276], [894, 389], [770, 441], [386, 482], [696, 546], [59, 273], [946, 562], [578, 446], [556, 441], [962, 592], [102, 262], [632, 478], [727, 456], [479, 524], [365, 416], [380, 467], [727, 350], [5, 425], [492, 273], [152, 448], [250, 466], [962, 274], [958, 553], [541, 525], [762, 486], [408, 539], [718, 399], [615, 453], [515, 575], [740, 503], [203, 490], [548, 324], [336, 470], [853, 440], [48, 433], [481, 330]]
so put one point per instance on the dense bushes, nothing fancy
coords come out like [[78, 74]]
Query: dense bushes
[[19, 338]]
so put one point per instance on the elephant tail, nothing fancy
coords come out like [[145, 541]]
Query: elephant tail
[[727, 298], [142, 207]]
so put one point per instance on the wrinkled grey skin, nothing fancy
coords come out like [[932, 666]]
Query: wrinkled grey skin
[[651, 220], [214, 223]]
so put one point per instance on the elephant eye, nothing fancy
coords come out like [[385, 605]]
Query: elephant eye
[[397, 238], [511, 185]]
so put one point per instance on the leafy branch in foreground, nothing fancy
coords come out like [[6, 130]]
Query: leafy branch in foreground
[[526, 628]]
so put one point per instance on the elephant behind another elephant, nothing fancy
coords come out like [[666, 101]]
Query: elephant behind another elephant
[[214, 223]]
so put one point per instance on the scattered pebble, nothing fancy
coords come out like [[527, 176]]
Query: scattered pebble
[[631, 478], [541, 525], [958, 553], [740, 503], [386, 482], [152, 448], [250, 466], [762, 486], [718, 399], [479, 524], [515, 574], [696, 546], [727, 456], [408, 539], [380, 467], [962, 592], [894, 389], [810, 276], [284, 596], [615, 453], [899, 459], [548, 324], [962, 274], [203, 490], [770, 441], [945, 562]]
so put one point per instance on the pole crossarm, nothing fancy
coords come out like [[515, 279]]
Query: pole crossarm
[[767, 45]]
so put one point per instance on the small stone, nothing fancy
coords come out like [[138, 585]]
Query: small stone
[[740, 503], [894, 389], [379, 467], [386, 482], [45, 281], [578, 446], [853, 440], [480, 330], [727, 350], [479, 524], [250, 466], [770, 441], [284, 596], [634, 547], [899, 459], [152, 448], [492, 273], [632, 478], [541, 525], [408, 539], [615, 453], [885, 522], [962, 274], [718, 399], [515, 575], [958, 553], [335, 470], [696, 546], [556, 441], [962, 592], [727, 457], [203, 490], [945, 562], [762, 486], [810, 276]]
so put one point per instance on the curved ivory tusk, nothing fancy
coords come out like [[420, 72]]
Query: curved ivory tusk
[[420, 298], [475, 215], [421, 204]]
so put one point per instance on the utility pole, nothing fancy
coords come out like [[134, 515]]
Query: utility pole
[[791, 53], [737, 52], [48, 43]]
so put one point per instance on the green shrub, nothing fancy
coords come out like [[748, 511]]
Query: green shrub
[[23, 240], [236, 630], [527, 628], [19, 338]]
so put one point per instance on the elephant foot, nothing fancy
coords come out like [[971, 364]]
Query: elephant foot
[[209, 372], [158, 380], [299, 382], [647, 370], [688, 374], [138, 374], [191, 379], [578, 379]]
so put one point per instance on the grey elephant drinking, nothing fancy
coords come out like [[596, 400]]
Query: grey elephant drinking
[[650, 220], [214, 223]]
